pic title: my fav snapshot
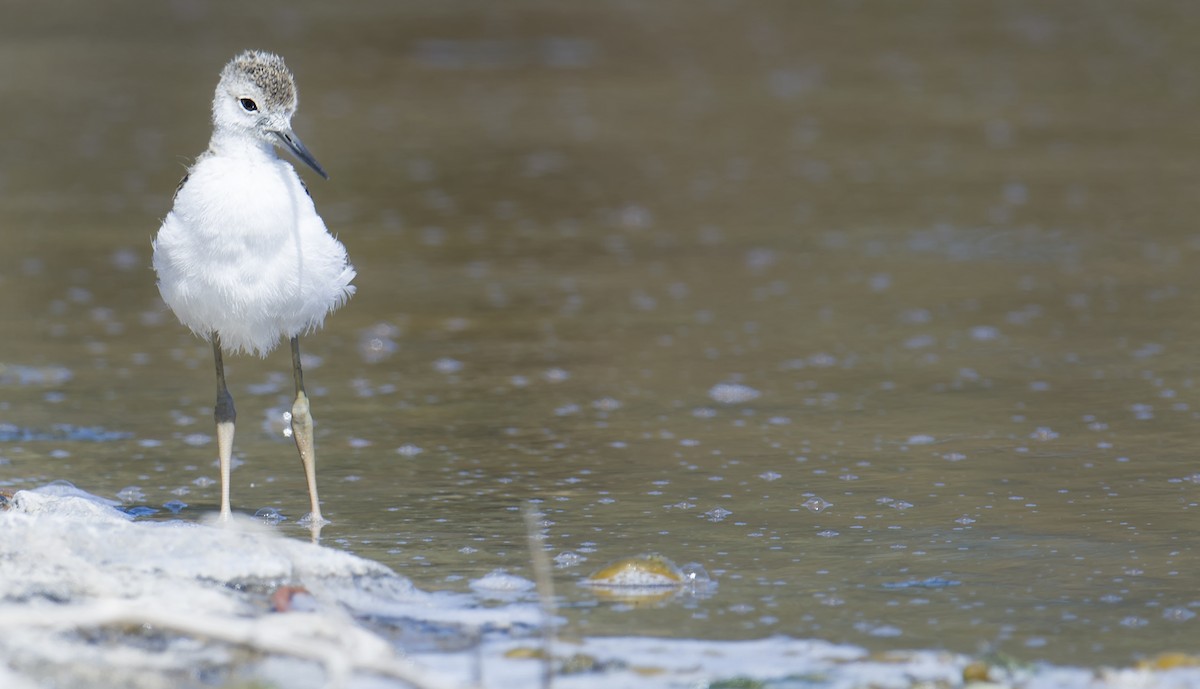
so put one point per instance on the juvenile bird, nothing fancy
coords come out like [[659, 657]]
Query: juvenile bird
[[243, 259]]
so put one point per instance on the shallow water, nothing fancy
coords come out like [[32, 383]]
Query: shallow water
[[950, 248]]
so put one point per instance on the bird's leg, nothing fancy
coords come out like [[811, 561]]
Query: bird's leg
[[225, 416], [302, 432]]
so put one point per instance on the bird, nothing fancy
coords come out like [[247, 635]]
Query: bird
[[242, 258]]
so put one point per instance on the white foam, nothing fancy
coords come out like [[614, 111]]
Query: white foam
[[89, 597]]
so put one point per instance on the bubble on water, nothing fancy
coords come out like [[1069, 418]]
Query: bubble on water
[[519, 381], [900, 505], [732, 393], [203, 481], [920, 440], [409, 450], [822, 360], [269, 515], [606, 404], [555, 375], [378, 342], [1178, 614], [175, 506], [828, 533], [704, 412], [567, 410], [717, 514], [695, 575], [130, 494], [272, 385], [125, 259], [197, 439], [1039, 386], [816, 504], [568, 559], [16, 374], [1148, 350], [759, 259], [447, 365], [770, 476], [140, 511], [964, 520], [930, 583], [920, 342], [985, 333], [1134, 622], [500, 584], [1142, 412], [954, 456], [916, 316]]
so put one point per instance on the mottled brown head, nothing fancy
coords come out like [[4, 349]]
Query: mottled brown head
[[254, 103], [264, 75]]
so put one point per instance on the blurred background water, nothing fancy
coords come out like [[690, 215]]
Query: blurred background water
[[884, 313]]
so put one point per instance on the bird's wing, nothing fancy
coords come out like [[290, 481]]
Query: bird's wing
[[179, 187]]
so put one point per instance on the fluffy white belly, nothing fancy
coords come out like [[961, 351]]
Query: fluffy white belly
[[244, 254]]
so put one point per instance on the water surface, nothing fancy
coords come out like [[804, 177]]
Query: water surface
[[939, 256]]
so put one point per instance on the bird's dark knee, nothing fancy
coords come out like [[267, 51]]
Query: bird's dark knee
[[224, 411]]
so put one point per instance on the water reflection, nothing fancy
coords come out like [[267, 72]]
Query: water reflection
[[829, 299]]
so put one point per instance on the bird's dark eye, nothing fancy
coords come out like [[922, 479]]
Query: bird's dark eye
[[248, 105]]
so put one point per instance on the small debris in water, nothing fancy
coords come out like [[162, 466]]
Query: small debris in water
[[292, 599]]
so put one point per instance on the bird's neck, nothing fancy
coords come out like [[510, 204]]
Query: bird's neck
[[230, 145]]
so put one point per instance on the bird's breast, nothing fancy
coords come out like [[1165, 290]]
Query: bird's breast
[[256, 205]]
